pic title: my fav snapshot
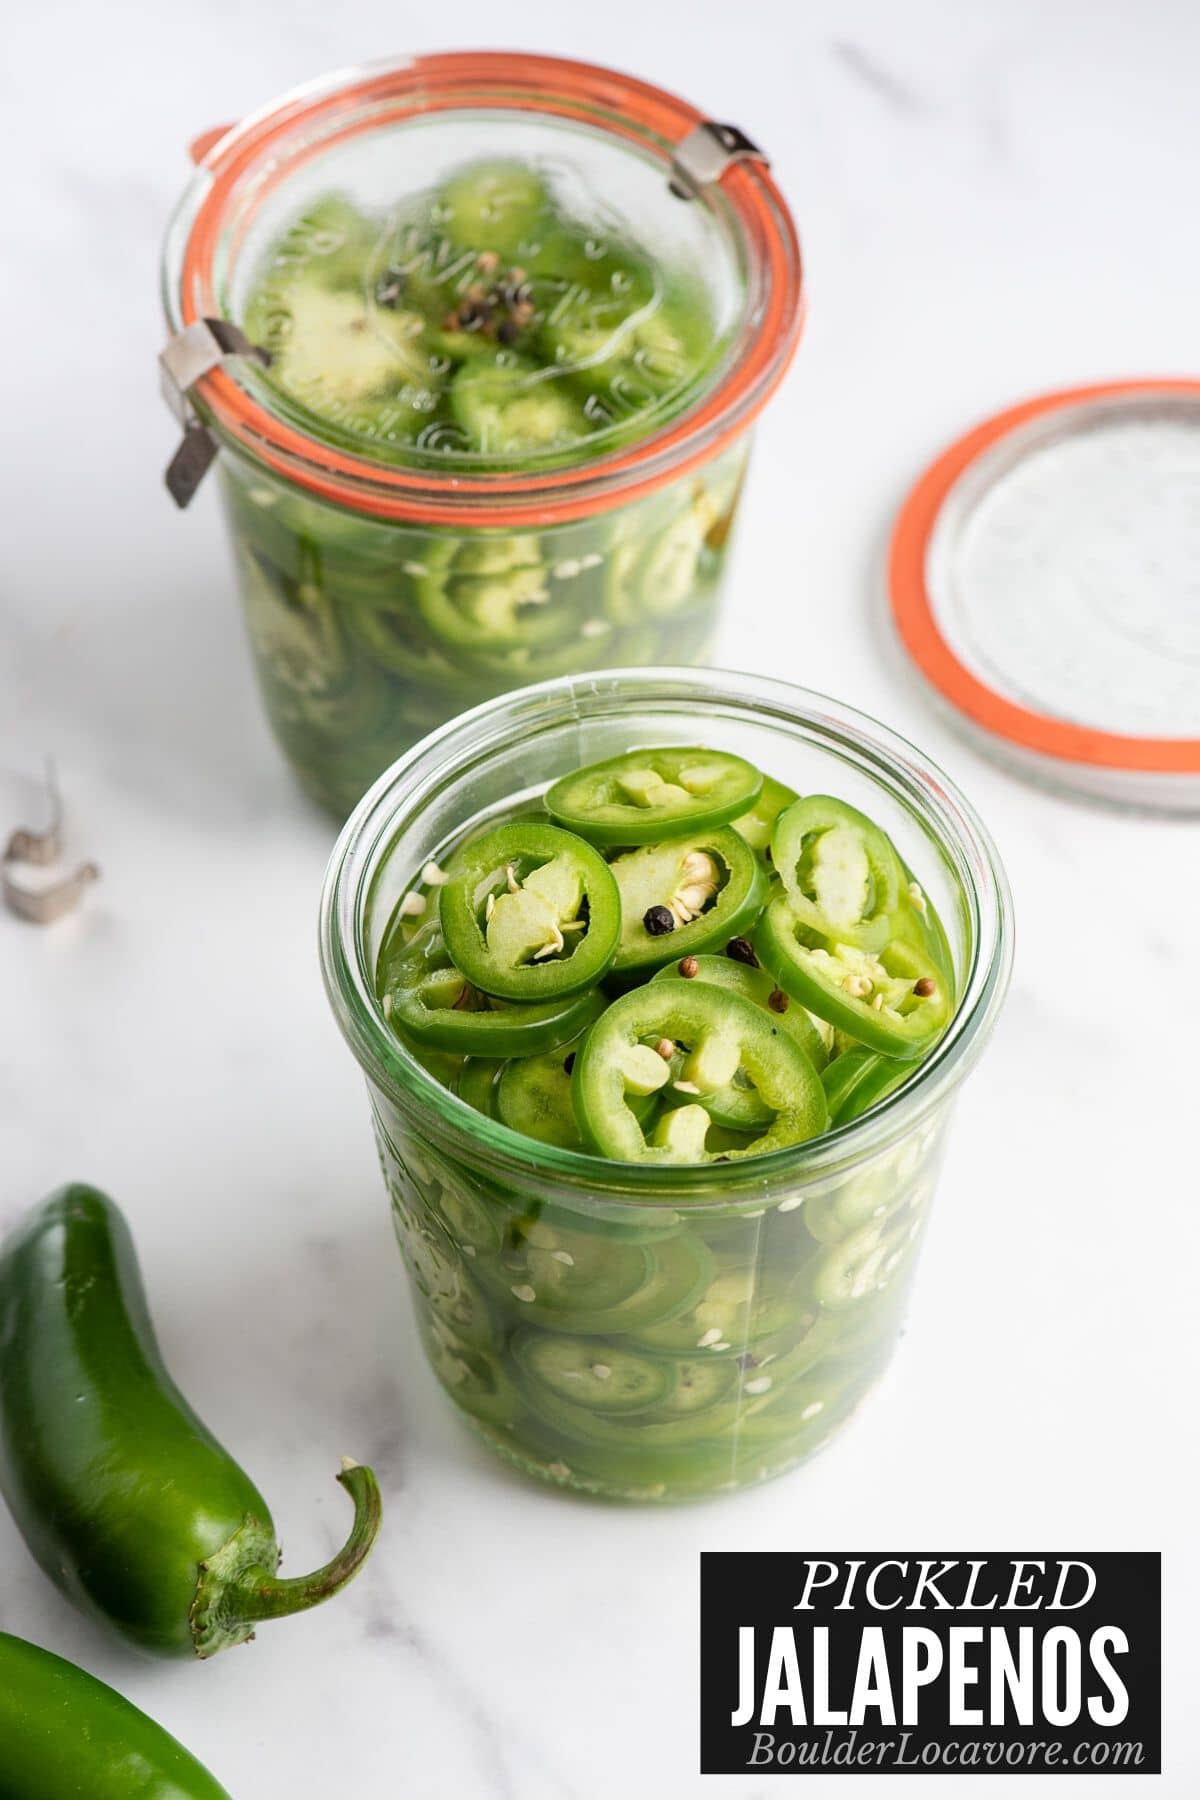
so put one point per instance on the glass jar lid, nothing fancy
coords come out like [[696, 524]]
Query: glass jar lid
[[1045, 580], [484, 280]]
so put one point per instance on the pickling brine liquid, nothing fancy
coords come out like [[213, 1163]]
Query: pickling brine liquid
[[366, 635], [656, 1356]]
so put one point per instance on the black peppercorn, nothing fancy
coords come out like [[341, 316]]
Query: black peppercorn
[[739, 949], [568, 1063], [658, 920], [390, 288]]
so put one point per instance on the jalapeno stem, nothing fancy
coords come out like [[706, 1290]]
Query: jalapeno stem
[[260, 1595]]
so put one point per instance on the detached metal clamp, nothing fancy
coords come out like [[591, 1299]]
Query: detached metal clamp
[[191, 354], [703, 156]]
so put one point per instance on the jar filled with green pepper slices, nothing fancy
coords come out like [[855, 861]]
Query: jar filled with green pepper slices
[[476, 341], [660, 1038]]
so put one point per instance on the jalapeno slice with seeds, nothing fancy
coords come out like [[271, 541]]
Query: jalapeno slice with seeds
[[583, 1282], [719, 1033], [683, 897], [530, 912], [648, 795], [474, 1378], [533, 1096], [492, 594], [759, 987], [738, 1106], [895, 1001], [593, 1372], [429, 1000], [840, 873]]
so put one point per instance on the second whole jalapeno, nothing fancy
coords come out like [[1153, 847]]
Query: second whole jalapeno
[[64, 1733], [127, 1501]]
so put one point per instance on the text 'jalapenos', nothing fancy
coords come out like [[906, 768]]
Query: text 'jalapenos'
[[531, 912]]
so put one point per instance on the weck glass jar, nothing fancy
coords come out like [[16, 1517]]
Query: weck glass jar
[[738, 1311], [518, 315]]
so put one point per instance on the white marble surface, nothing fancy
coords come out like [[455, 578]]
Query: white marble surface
[[993, 200]]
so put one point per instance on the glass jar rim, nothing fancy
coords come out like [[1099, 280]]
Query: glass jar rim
[[364, 844], [352, 101]]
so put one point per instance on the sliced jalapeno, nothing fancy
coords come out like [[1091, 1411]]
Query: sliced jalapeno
[[437, 1273], [509, 407], [493, 205], [530, 912], [757, 825], [477, 1083], [840, 873], [896, 1002], [758, 986], [918, 921], [533, 1096], [857, 1079], [719, 1033], [740, 1310], [428, 998], [648, 795], [683, 897], [577, 1281], [737, 1106], [473, 1377], [593, 1372], [493, 594]]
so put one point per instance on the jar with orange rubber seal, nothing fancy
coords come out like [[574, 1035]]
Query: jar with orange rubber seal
[[475, 342]]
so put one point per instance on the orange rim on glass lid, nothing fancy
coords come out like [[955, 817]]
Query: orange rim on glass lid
[[239, 168], [1044, 577]]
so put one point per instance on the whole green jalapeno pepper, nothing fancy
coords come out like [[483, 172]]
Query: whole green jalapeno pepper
[[125, 1498], [62, 1733]]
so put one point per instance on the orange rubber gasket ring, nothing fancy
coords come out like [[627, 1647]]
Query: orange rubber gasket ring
[[498, 80], [912, 608]]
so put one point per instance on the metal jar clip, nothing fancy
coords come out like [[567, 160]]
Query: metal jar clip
[[42, 904], [703, 156], [191, 354]]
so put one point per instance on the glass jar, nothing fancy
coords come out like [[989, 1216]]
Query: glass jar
[[394, 568], [734, 1315]]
